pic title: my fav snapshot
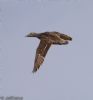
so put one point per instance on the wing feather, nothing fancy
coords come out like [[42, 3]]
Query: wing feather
[[41, 53]]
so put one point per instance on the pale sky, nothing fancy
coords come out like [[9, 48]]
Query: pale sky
[[67, 72]]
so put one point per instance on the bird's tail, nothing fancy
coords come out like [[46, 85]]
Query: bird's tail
[[66, 37]]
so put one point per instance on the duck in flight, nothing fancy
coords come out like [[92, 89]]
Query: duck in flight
[[46, 40]]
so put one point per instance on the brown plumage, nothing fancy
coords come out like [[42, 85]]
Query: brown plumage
[[46, 40]]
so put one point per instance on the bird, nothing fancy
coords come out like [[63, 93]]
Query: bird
[[46, 40]]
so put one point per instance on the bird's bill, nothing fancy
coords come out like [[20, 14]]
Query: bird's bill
[[32, 34], [28, 35]]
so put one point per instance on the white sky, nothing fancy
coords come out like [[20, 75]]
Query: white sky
[[67, 73]]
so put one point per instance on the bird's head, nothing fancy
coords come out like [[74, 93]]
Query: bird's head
[[32, 34]]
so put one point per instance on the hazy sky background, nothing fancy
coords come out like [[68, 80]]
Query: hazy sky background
[[67, 73]]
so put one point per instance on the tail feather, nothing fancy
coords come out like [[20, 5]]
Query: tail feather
[[66, 37]]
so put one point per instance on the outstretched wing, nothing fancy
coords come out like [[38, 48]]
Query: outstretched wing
[[41, 53]]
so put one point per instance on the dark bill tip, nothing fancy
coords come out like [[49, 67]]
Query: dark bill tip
[[27, 35]]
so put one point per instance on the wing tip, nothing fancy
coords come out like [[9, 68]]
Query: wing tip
[[34, 70]]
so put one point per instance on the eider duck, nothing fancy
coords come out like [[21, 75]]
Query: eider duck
[[46, 40]]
